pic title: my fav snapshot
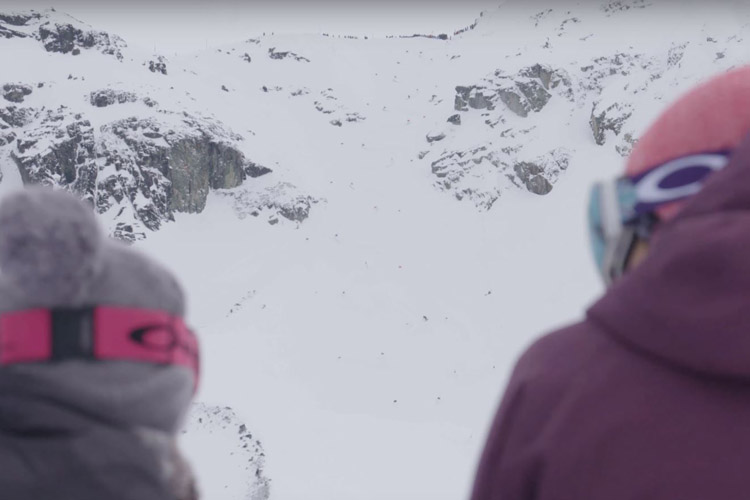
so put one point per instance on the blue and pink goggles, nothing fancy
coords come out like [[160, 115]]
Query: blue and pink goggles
[[625, 210], [98, 334]]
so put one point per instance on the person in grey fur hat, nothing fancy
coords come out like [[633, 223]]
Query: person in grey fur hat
[[97, 368]]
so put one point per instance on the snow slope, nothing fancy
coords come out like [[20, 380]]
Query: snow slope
[[366, 347]]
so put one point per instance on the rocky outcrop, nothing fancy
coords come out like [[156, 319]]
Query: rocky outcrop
[[60, 33], [158, 65], [20, 19], [15, 117], [192, 159], [280, 202], [531, 175], [471, 97], [107, 97], [523, 93], [471, 174], [435, 136], [16, 92], [610, 119], [140, 171]]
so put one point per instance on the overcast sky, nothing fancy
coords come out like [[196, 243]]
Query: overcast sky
[[171, 26]]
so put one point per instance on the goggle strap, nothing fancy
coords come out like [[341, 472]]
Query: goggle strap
[[97, 334]]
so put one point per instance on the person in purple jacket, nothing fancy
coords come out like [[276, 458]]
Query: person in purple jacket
[[648, 398]]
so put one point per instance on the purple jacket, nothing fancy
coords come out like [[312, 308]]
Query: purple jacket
[[649, 397]]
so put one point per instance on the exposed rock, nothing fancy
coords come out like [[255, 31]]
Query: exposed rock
[[140, 170], [65, 38], [434, 137], [59, 33], [455, 119], [281, 200], [283, 55], [354, 117], [627, 145], [106, 97], [322, 108], [528, 91], [59, 152], [6, 32], [158, 66], [531, 175], [336, 123], [471, 97], [676, 53], [16, 92], [612, 118], [246, 57], [603, 68], [18, 117], [470, 174], [216, 432], [5, 139], [461, 102], [191, 160], [623, 5], [20, 19]]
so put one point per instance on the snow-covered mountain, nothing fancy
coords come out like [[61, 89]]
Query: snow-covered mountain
[[369, 229]]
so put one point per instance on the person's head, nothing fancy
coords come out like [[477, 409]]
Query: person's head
[[694, 137], [88, 324]]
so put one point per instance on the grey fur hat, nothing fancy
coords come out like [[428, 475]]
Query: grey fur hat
[[53, 254]]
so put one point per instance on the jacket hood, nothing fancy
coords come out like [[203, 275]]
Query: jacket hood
[[688, 302]]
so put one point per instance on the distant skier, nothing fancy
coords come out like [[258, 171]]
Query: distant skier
[[97, 367], [649, 397]]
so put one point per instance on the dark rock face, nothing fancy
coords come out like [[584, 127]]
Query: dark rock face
[[531, 176], [190, 163], [16, 92], [455, 119], [197, 164]]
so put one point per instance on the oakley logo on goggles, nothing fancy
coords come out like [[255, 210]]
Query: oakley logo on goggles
[[623, 210], [98, 334]]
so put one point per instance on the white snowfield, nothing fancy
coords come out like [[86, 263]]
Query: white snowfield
[[366, 347]]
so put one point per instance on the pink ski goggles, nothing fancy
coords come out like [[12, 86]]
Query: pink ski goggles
[[98, 334]]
